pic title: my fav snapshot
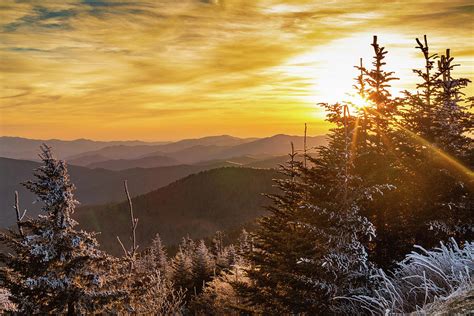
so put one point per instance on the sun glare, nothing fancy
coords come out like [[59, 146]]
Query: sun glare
[[357, 102], [328, 71]]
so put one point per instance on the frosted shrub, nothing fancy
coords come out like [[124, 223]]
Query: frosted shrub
[[5, 303], [421, 278]]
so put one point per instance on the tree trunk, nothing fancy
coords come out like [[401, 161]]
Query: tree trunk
[[71, 308]]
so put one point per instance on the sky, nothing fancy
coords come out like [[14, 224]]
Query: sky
[[173, 69]]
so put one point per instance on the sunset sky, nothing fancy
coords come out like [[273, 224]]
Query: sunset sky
[[166, 70]]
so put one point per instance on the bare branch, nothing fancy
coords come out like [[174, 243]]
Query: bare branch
[[304, 146], [134, 222], [123, 247], [19, 217]]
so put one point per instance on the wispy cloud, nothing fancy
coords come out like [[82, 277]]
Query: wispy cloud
[[145, 69]]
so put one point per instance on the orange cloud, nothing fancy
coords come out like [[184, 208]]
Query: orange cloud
[[169, 69]]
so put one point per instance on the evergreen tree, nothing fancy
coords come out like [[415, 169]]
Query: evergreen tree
[[376, 158], [226, 258], [452, 121], [277, 249], [182, 270], [245, 243], [155, 258], [203, 266], [55, 268], [309, 249], [217, 245], [436, 124]]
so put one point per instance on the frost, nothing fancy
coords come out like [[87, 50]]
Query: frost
[[421, 278]]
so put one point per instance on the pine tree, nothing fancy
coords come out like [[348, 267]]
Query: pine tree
[[436, 124], [55, 268], [217, 245], [418, 117], [452, 121], [155, 258], [277, 249], [309, 249], [182, 270], [203, 266], [376, 158]]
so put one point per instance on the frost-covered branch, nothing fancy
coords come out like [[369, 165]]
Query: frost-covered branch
[[423, 277]]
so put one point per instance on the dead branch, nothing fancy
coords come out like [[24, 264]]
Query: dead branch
[[130, 254], [19, 217]]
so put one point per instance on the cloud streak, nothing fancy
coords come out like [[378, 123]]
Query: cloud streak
[[144, 69]]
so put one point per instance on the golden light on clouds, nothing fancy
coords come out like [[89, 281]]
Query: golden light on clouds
[[172, 69]]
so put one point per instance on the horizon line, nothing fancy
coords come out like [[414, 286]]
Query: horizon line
[[152, 141]]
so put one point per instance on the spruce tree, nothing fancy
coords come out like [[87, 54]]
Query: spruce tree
[[182, 270], [55, 268], [203, 266], [436, 124], [155, 257], [377, 154], [276, 250], [310, 249], [452, 121]]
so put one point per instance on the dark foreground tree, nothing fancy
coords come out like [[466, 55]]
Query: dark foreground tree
[[436, 131], [53, 267], [310, 249]]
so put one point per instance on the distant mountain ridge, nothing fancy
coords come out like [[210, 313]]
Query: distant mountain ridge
[[200, 150], [109, 155], [143, 151], [24, 148], [147, 162]]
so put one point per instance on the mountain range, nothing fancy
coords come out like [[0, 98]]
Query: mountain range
[[191, 151], [24, 148], [193, 186]]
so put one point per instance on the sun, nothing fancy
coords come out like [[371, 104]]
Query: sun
[[357, 102]]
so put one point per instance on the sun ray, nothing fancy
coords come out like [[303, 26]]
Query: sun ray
[[465, 172]]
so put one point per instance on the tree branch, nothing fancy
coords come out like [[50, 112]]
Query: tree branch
[[19, 217]]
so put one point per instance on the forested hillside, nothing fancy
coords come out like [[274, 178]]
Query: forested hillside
[[196, 206], [94, 186]]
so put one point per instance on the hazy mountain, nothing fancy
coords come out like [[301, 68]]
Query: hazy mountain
[[242, 160], [24, 148], [87, 160], [147, 162], [117, 152], [273, 162], [273, 146], [198, 153], [222, 140], [189, 151], [186, 151], [94, 186], [198, 205], [264, 148]]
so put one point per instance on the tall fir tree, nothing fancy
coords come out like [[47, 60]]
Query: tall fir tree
[[436, 124], [310, 249], [155, 257], [377, 161], [203, 266], [452, 121], [55, 268], [182, 266]]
